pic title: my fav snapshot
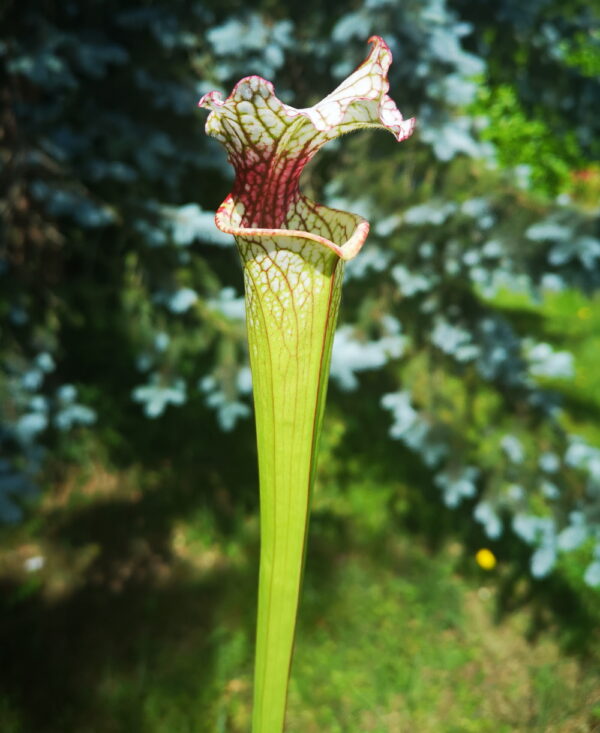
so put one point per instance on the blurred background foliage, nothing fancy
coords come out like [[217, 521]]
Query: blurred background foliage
[[465, 395]]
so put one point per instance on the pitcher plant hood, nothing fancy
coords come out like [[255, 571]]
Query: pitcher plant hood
[[269, 143]]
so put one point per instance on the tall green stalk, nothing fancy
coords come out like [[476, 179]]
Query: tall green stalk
[[292, 251], [290, 350]]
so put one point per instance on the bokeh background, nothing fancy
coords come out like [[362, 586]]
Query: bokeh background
[[453, 572]]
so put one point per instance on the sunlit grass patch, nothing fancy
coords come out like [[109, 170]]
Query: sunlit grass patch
[[406, 645]]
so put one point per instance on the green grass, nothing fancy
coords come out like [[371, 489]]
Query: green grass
[[407, 645], [157, 637]]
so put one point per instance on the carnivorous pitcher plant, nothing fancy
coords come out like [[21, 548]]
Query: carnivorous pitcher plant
[[293, 251]]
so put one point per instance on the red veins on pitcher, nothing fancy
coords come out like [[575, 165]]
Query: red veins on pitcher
[[270, 142]]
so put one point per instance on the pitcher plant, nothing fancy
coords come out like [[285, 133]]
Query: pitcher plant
[[293, 252]]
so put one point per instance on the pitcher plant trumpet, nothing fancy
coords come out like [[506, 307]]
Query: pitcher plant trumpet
[[293, 252]]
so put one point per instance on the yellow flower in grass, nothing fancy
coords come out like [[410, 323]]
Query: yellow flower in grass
[[485, 559]]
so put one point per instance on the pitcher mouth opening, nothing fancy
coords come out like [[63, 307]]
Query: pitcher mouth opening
[[347, 232], [269, 143]]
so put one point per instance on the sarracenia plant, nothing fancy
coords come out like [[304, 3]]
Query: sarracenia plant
[[293, 251]]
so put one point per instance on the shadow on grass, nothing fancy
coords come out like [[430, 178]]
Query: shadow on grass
[[57, 655], [108, 644]]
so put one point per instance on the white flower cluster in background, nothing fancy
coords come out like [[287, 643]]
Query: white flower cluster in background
[[352, 355], [229, 410], [157, 394]]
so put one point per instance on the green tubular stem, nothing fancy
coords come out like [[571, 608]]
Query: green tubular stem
[[293, 291]]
